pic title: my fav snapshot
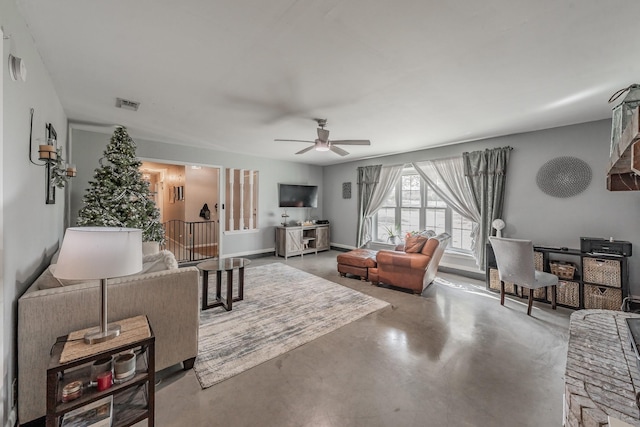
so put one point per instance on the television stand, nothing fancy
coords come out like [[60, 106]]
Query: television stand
[[300, 240]]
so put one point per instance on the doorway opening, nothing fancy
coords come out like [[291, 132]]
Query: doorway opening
[[188, 198]]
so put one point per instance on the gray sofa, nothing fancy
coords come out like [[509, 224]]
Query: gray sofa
[[169, 298]]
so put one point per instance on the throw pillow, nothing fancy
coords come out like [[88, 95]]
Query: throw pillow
[[46, 280], [163, 260], [68, 282], [428, 233], [430, 247], [414, 244]]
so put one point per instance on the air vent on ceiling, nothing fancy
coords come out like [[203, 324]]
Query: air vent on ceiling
[[127, 105]]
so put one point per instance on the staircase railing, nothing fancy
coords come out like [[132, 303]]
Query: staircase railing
[[191, 241]]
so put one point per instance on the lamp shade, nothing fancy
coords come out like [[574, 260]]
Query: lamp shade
[[99, 253]]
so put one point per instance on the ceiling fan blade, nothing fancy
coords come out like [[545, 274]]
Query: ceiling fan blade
[[311, 147], [294, 140], [338, 150], [323, 134], [352, 142]]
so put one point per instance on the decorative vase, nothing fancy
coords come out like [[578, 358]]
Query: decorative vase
[[396, 240], [149, 248]]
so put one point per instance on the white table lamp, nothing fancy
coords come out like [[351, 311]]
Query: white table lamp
[[90, 253], [499, 225]]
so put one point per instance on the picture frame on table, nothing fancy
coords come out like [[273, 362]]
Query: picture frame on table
[[94, 414]]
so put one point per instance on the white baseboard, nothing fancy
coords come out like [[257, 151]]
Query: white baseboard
[[245, 253], [338, 245], [461, 267], [12, 419]]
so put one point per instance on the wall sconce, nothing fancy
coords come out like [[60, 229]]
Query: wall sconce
[[71, 171], [57, 172]]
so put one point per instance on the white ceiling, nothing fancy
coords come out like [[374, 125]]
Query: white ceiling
[[233, 75]]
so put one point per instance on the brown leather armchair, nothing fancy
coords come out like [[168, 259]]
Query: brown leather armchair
[[414, 271]]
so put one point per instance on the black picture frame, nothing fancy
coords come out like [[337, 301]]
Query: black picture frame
[[52, 139], [346, 190]]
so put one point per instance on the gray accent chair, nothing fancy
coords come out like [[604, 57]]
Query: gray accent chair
[[514, 258]]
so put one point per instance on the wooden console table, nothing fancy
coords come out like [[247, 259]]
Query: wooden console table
[[601, 376]]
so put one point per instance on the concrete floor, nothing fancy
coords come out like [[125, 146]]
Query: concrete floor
[[451, 357]]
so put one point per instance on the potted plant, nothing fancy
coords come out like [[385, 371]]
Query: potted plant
[[393, 234]]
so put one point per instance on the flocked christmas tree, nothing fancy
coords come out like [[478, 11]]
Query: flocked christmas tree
[[118, 196]]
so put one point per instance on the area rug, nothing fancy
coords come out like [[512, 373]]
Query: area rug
[[283, 308]]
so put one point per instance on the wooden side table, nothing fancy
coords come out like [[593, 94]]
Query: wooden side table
[[71, 360]]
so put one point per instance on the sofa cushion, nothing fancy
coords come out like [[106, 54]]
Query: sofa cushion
[[414, 244], [163, 260]]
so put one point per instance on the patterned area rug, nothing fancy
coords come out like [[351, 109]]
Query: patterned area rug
[[283, 308]]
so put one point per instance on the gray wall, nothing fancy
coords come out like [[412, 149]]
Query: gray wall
[[88, 147], [529, 213], [31, 229]]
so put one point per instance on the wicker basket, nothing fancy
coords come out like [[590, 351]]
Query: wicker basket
[[564, 270], [494, 282], [567, 293], [538, 261], [538, 264], [539, 294], [602, 271], [601, 297]]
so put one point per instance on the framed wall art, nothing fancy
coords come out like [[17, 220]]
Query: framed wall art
[[346, 190]]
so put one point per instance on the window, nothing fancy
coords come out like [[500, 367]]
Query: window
[[386, 217], [413, 205], [410, 203]]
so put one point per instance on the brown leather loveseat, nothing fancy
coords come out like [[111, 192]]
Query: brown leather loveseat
[[414, 269]]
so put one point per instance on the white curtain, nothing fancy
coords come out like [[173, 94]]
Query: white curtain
[[447, 179], [389, 176]]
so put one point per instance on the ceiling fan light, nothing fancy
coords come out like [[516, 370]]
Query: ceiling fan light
[[322, 145]]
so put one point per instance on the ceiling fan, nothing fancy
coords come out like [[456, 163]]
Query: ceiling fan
[[323, 143]]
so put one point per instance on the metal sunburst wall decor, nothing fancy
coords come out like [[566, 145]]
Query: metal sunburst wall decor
[[564, 177]]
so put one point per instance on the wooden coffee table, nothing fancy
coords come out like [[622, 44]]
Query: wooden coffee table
[[220, 265]]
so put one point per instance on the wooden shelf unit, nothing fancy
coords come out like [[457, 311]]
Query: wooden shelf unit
[[133, 400], [602, 292]]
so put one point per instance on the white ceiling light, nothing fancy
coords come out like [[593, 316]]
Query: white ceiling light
[[17, 69], [322, 145]]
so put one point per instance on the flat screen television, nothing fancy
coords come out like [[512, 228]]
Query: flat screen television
[[297, 196]]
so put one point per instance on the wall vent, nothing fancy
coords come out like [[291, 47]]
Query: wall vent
[[127, 104]]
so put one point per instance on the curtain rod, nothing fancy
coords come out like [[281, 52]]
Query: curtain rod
[[441, 158]]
